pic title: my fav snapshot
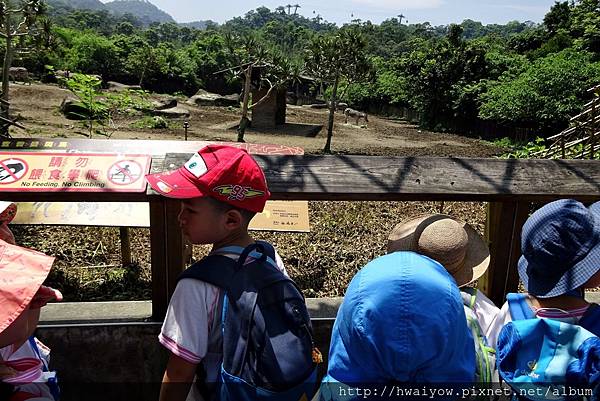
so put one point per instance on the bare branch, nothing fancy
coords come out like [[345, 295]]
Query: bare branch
[[262, 99], [16, 124]]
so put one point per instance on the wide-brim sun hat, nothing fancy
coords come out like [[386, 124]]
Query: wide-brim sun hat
[[22, 272], [560, 247], [451, 242]]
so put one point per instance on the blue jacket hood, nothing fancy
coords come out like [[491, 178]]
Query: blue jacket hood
[[402, 320]]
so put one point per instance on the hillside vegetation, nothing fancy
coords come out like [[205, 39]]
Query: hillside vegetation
[[455, 77]]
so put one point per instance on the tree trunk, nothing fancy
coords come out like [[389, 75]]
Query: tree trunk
[[8, 56], [332, 104], [244, 121]]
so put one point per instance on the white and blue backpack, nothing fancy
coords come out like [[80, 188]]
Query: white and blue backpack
[[546, 359]]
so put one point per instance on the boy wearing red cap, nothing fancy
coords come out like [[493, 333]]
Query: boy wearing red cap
[[221, 188]]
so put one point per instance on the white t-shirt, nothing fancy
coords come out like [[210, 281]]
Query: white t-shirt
[[485, 311], [192, 326], [31, 379]]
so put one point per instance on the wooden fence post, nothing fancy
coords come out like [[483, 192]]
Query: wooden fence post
[[125, 246], [505, 222], [167, 252]]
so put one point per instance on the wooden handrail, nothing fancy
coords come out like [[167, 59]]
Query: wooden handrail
[[511, 185]]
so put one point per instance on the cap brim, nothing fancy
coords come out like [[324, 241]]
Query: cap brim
[[477, 258], [174, 184], [22, 272]]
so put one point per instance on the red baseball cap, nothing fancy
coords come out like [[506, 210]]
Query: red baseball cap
[[222, 172]]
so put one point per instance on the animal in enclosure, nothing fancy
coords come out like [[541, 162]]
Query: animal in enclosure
[[62, 76], [348, 112], [19, 74], [342, 106], [338, 105]]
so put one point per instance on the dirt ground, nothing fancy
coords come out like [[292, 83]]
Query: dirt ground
[[344, 235]]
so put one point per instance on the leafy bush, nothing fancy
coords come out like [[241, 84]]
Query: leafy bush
[[545, 95], [149, 122]]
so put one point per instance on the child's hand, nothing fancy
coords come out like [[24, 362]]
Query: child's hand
[[45, 295], [6, 372], [6, 234]]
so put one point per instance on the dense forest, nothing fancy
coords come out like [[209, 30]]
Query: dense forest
[[520, 74]]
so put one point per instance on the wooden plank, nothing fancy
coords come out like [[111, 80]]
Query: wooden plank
[[158, 258], [174, 244], [314, 177], [505, 248], [151, 147]]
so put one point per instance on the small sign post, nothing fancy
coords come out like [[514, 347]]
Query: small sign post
[[186, 125]]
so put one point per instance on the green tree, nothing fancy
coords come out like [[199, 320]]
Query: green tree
[[94, 54], [558, 17], [86, 88], [585, 24], [336, 58], [545, 94], [17, 21], [255, 60]]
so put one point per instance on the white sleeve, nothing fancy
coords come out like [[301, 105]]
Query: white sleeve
[[485, 310], [501, 319], [186, 329], [279, 263]]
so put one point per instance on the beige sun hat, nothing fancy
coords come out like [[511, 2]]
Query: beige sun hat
[[453, 243]]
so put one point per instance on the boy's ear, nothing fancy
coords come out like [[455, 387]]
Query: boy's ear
[[233, 219]]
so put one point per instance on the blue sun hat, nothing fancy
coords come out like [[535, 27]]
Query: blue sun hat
[[560, 246], [402, 321]]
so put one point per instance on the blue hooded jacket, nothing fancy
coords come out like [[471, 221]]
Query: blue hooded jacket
[[401, 321]]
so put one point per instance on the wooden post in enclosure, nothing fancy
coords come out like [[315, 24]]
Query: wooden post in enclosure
[[125, 246], [503, 232]]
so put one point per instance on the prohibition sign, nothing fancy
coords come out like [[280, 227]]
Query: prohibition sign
[[124, 172], [12, 170]]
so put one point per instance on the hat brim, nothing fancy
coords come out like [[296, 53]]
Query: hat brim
[[574, 277], [571, 280], [174, 184], [22, 272], [477, 258]]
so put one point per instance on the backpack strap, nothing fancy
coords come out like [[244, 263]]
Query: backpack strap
[[591, 319], [217, 270], [222, 277], [469, 295], [519, 307]]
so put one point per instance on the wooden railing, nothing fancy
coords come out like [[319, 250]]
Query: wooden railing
[[509, 185]]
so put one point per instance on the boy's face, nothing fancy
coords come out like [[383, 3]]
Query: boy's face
[[201, 222]]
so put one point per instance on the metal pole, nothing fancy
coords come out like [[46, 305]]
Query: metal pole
[[186, 125], [593, 133]]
